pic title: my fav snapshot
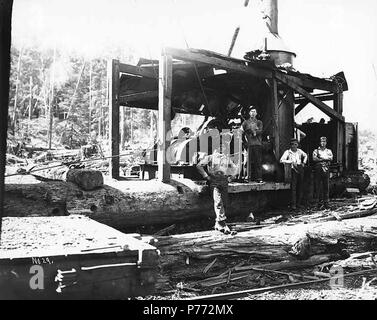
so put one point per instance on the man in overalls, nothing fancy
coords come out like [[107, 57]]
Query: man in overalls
[[219, 168]]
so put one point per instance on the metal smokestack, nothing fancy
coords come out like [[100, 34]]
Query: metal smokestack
[[270, 14], [272, 42]]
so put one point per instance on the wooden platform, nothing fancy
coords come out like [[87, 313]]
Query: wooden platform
[[235, 187], [99, 261]]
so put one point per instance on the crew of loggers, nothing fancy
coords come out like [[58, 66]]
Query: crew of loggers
[[220, 168]]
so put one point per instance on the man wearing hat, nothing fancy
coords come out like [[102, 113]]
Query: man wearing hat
[[253, 129], [322, 158], [297, 159]]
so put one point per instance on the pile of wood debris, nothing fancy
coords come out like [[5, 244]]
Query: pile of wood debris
[[279, 252]]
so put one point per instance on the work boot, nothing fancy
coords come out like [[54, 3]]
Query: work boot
[[222, 227]]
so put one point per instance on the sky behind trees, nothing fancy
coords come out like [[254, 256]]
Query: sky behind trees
[[328, 36]]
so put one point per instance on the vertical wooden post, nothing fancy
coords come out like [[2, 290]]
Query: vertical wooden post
[[275, 115], [340, 129], [164, 115], [151, 129], [5, 40], [122, 124], [113, 78]]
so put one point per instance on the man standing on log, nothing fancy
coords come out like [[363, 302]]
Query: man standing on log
[[219, 168], [297, 159], [253, 129], [322, 158]]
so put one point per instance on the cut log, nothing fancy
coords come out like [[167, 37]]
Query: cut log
[[131, 204], [186, 256], [86, 179], [12, 159]]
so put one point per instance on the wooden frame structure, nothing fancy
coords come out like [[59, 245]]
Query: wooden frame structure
[[277, 80]]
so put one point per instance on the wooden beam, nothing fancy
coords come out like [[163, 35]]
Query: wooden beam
[[312, 83], [164, 115], [113, 77], [222, 63], [301, 106], [318, 103], [338, 102], [340, 130], [176, 65], [322, 97], [137, 71], [5, 40], [137, 96], [275, 116]]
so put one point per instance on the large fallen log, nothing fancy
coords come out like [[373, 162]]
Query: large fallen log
[[130, 204], [86, 179], [185, 256]]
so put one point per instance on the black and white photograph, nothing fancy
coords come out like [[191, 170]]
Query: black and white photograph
[[191, 150]]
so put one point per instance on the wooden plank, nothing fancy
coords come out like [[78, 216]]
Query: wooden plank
[[319, 104], [138, 71], [113, 77], [225, 64], [235, 187], [164, 115], [275, 115], [5, 40], [137, 96]]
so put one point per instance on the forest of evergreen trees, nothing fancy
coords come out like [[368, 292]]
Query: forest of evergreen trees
[[71, 91]]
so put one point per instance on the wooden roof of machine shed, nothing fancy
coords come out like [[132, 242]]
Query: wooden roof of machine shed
[[203, 77]]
